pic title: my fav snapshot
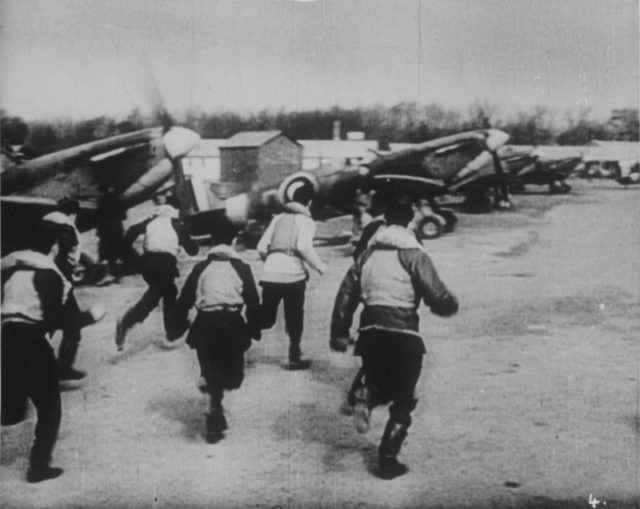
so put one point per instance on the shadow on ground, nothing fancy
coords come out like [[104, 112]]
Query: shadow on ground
[[312, 424], [189, 411]]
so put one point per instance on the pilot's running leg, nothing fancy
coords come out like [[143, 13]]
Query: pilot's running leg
[[350, 399], [173, 327], [71, 336], [159, 270], [392, 363], [293, 296], [402, 376], [222, 365], [137, 313], [272, 294], [216, 421], [30, 371], [294, 323]]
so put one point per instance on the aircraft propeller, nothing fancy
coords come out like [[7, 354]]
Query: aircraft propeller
[[495, 140], [177, 143]]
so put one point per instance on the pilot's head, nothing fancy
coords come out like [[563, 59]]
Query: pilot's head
[[69, 206], [174, 202], [399, 210], [301, 192], [224, 231], [53, 237]]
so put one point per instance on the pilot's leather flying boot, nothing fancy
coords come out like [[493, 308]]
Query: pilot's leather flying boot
[[66, 358], [216, 422], [389, 467], [43, 473], [39, 468], [296, 361], [121, 334], [214, 433]]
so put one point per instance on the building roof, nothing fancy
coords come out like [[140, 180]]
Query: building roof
[[253, 139], [339, 149], [207, 148], [612, 151], [632, 145]]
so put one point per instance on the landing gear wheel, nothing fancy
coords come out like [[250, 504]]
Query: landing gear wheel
[[559, 188], [430, 228], [503, 204], [566, 188], [450, 220]]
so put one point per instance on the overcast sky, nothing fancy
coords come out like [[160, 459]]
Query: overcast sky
[[84, 58]]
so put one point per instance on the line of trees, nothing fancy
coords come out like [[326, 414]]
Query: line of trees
[[404, 122]]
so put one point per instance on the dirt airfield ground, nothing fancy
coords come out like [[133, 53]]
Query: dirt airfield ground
[[529, 396]]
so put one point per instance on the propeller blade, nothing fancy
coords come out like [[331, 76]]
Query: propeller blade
[[159, 111], [178, 142]]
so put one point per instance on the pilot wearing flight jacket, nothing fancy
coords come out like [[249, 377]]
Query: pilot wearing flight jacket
[[34, 296], [286, 246], [221, 288], [163, 238], [390, 278]]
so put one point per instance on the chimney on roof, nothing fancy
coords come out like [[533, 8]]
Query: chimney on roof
[[336, 129]]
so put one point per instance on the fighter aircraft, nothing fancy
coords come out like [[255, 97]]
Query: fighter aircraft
[[545, 165], [424, 171], [466, 163], [134, 165], [612, 159]]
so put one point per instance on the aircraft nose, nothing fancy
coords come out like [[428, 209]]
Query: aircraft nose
[[496, 138], [179, 141]]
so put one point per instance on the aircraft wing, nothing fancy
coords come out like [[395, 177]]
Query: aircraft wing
[[439, 159], [417, 187], [20, 219], [28, 175]]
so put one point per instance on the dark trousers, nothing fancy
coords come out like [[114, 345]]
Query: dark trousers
[[71, 333], [391, 363], [221, 370], [220, 339], [293, 296], [159, 270], [30, 371]]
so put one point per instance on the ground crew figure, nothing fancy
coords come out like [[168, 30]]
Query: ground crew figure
[[163, 237], [220, 287], [361, 216], [67, 261], [286, 245], [34, 292], [110, 232], [390, 278]]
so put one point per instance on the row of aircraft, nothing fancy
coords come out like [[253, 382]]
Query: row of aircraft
[[139, 165]]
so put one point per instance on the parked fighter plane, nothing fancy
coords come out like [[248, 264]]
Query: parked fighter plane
[[465, 163], [542, 165], [611, 159], [629, 172], [424, 171], [135, 165]]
